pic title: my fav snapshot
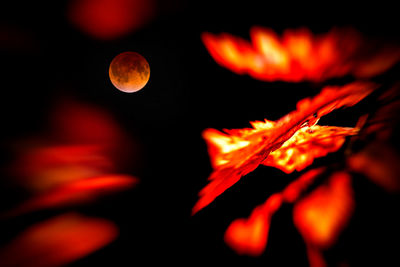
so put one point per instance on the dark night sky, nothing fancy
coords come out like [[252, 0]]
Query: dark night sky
[[50, 59]]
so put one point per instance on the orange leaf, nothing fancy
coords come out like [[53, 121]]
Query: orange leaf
[[323, 214], [307, 144], [300, 55], [235, 153], [250, 236]]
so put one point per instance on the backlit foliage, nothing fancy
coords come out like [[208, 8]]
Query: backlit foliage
[[300, 55], [235, 153], [323, 199]]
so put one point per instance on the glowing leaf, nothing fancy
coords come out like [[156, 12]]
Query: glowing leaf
[[249, 236], [235, 153], [300, 55], [322, 214], [307, 144]]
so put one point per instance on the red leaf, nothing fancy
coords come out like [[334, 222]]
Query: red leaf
[[307, 144], [249, 236], [319, 217], [300, 55], [235, 153], [323, 214]]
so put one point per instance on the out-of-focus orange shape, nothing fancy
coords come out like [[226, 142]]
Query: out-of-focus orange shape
[[110, 19], [77, 192], [300, 55], [307, 144], [382, 124], [47, 167], [58, 241], [292, 192], [235, 153], [378, 62], [315, 257], [378, 160], [73, 122], [250, 236], [323, 214], [83, 141], [380, 163]]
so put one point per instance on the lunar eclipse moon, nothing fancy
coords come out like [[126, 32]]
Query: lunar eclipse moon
[[129, 72]]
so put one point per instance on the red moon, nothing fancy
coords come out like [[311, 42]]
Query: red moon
[[129, 72]]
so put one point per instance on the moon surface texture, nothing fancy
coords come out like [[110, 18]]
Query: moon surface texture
[[129, 72]]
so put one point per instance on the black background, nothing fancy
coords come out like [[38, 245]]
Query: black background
[[187, 92]]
